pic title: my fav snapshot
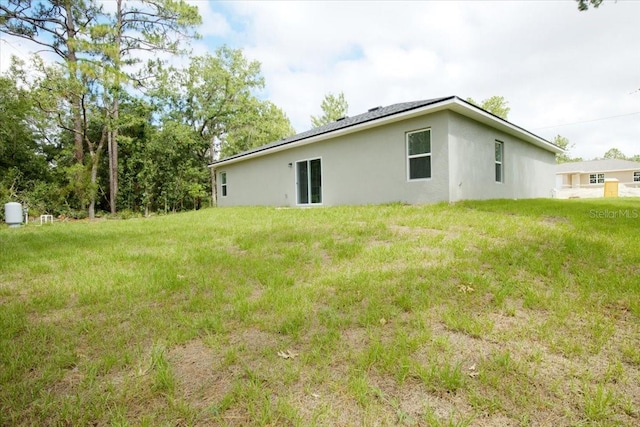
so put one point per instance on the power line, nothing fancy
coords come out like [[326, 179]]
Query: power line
[[588, 121]]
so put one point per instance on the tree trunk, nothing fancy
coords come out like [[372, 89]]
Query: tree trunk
[[110, 156], [77, 128], [214, 184], [112, 148], [114, 183], [76, 107], [113, 131], [94, 153], [94, 179], [214, 188]]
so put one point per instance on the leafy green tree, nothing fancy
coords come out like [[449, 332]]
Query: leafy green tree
[[61, 27], [147, 25], [68, 91], [261, 123], [496, 105], [134, 132], [564, 143], [211, 97], [158, 145], [209, 94], [615, 153], [18, 145], [29, 149], [333, 108], [174, 177], [585, 4], [89, 80], [52, 88], [22, 162]]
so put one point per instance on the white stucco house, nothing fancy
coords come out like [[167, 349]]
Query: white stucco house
[[592, 173], [442, 149]]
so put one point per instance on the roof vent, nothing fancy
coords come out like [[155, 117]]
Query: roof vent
[[374, 108], [341, 118]]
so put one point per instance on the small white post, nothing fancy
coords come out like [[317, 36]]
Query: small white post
[[46, 218]]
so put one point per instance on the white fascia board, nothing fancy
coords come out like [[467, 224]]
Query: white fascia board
[[571, 173], [453, 104]]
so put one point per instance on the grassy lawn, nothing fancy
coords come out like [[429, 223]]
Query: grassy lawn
[[473, 314]]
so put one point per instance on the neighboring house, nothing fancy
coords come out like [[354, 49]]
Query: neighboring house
[[592, 173], [442, 149]]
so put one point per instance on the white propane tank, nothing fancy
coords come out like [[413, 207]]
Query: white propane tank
[[13, 214]]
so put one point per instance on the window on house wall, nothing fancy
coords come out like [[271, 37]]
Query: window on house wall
[[596, 178], [309, 181], [223, 183], [499, 159], [419, 154], [636, 176]]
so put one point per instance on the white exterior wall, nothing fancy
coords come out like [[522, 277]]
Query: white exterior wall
[[371, 167], [266, 180], [528, 171], [366, 167]]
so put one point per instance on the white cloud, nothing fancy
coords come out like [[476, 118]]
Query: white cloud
[[554, 64], [215, 24], [13, 46]]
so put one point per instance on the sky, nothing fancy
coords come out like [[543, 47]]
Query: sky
[[563, 72]]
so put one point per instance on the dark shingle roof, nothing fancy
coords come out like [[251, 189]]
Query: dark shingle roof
[[372, 114]]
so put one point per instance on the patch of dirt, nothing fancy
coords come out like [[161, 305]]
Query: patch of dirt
[[56, 316], [256, 292], [253, 339], [414, 401], [70, 380], [236, 250], [553, 221], [203, 378], [324, 256], [355, 338], [503, 323], [200, 380], [412, 231], [375, 243]]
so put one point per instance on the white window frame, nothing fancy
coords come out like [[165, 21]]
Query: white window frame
[[308, 162], [596, 178], [415, 156], [636, 176], [224, 190], [498, 163]]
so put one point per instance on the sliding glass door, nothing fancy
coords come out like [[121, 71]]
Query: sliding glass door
[[309, 181]]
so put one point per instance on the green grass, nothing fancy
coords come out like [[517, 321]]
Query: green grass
[[474, 313]]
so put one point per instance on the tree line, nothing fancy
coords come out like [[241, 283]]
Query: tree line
[[98, 130]]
